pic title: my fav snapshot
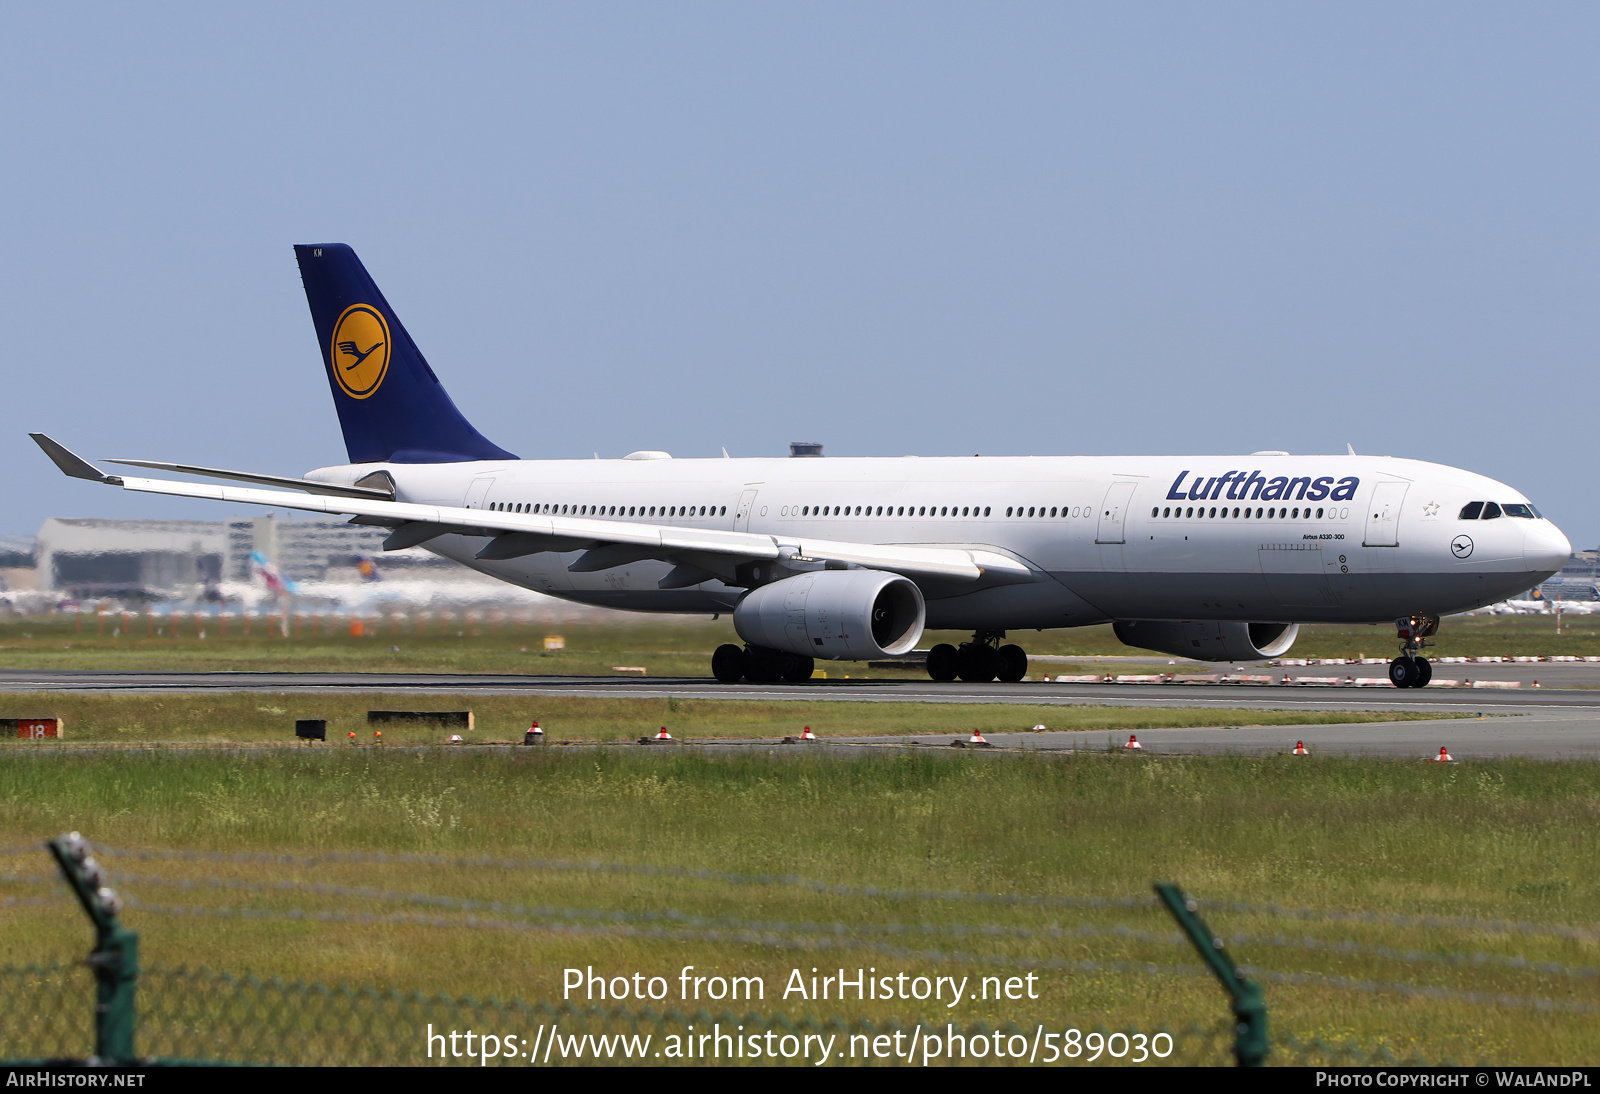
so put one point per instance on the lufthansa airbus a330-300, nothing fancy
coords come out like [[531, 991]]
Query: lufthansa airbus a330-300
[[1208, 557]]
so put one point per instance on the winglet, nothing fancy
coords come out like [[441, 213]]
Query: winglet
[[1351, 447], [71, 463]]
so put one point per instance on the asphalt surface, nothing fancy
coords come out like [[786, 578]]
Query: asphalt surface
[[1247, 696], [1547, 723]]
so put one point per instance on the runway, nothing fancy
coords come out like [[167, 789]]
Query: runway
[[1253, 697]]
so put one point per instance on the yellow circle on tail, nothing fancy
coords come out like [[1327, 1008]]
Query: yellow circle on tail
[[359, 350]]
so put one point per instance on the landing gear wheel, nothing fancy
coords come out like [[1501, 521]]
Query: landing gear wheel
[[728, 663], [763, 666], [1403, 672], [1409, 670], [978, 664], [797, 667], [1013, 663], [944, 661]]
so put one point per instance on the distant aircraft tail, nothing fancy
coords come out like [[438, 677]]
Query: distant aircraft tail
[[391, 406], [271, 576]]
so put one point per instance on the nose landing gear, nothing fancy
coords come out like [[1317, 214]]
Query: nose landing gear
[[978, 661], [1410, 670]]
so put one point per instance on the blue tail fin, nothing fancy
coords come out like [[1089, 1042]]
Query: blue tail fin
[[391, 406]]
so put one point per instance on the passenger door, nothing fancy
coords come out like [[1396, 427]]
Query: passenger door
[[747, 502], [1114, 513], [477, 492], [1383, 514]]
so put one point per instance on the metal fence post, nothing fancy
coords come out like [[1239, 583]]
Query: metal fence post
[[115, 958], [1249, 1004]]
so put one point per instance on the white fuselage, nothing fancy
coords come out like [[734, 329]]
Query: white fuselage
[[1267, 538]]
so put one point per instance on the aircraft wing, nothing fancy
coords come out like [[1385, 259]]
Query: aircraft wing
[[607, 542], [308, 485]]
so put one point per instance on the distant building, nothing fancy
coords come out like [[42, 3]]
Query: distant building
[[1579, 579], [17, 573], [159, 559], [128, 558]]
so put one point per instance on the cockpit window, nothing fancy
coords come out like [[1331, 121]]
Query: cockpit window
[[1519, 510], [1490, 510], [1471, 510]]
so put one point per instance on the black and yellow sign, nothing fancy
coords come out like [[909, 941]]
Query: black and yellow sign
[[360, 350]]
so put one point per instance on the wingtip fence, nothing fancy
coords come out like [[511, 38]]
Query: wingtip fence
[[188, 1016]]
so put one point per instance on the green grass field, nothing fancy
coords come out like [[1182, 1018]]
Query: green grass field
[[1504, 840], [679, 646], [256, 718], [1507, 840]]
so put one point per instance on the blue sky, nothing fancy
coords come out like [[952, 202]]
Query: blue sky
[[892, 228]]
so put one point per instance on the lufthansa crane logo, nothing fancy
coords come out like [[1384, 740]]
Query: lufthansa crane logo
[[1461, 546], [360, 350]]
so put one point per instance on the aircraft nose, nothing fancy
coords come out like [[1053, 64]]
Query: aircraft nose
[[1545, 548]]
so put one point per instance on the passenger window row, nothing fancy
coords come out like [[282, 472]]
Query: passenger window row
[[884, 511], [1488, 510], [1041, 511], [553, 509], [1221, 512], [928, 511]]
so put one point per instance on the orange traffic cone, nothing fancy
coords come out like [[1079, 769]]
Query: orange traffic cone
[[1300, 749], [1444, 756], [976, 738], [663, 735], [808, 735], [1133, 742]]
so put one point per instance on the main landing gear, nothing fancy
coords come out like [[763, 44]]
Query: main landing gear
[[760, 665], [978, 661], [1410, 670]]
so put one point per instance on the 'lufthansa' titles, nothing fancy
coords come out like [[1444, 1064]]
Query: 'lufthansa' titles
[[1253, 486]]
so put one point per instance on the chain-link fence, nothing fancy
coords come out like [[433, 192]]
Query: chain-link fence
[[200, 1016], [110, 1007]]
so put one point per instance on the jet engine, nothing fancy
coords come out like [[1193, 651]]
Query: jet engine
[[849, 615], [1210, 641]]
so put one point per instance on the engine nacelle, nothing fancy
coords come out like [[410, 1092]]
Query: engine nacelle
[[1210, 641], [840, 615]]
